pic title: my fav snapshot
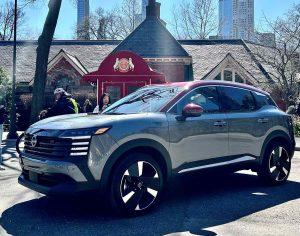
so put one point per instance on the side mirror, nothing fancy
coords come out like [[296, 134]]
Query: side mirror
[[190, 110]]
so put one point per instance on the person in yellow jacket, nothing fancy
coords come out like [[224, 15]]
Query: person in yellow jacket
[[64, 104]]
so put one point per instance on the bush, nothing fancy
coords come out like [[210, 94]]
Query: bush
[[296, 123]]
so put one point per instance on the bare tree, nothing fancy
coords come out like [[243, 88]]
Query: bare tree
[[117, 23], [44, 43], [7, 20], [195, 20], [104, 24], [83, 30], [282, 60], [129, 11]]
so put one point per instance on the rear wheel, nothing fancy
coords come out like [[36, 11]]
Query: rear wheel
[[136, 184], [276, 165]]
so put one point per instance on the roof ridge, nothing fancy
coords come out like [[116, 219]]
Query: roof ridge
[[150, 23], [253, 57]]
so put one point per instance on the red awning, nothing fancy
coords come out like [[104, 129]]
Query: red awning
[[124, 66]]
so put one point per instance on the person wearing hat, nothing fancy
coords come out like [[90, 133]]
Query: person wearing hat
[[64, 104]]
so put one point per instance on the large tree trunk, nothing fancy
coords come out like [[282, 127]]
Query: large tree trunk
[[44, 43]]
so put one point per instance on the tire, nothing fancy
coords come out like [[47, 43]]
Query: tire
[[20, 143], [136, 185], [276, 164]]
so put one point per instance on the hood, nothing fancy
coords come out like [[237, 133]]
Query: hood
[[74, 121], [83, 120]]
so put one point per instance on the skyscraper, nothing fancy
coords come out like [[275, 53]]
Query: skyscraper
[[144, 5], [141, 16], [83, 13], [236, 19]]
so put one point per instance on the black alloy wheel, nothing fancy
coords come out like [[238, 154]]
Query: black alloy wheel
[[136, 185], [276, 164]]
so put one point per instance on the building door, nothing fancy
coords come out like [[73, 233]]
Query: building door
[[130, 87], [115, 90]]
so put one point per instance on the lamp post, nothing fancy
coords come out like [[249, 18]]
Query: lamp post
[[12, 125]]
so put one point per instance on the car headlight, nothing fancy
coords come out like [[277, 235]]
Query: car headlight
[[85, 132]]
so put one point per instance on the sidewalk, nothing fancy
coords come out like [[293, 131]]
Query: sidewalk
[[9, 154]]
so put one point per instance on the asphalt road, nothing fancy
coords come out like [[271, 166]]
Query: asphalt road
[[217, 204]]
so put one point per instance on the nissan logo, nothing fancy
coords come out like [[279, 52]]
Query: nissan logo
[[33, 140]]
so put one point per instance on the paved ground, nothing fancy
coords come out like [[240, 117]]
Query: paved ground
[[199, 205]]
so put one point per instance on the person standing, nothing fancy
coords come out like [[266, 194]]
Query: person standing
[[104, 102], [87, 106], [64, 104]]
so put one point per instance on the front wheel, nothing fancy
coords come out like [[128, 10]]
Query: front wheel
[[276, 164], [136, 184]]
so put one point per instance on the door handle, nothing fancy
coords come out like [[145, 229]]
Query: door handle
[[220, 123], [263, 120]]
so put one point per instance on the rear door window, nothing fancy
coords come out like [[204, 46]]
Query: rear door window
[[263, 100], [236, 100]]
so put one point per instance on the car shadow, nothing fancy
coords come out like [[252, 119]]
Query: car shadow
[[190, 204]]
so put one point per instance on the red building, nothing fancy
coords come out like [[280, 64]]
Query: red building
[[122, 73]]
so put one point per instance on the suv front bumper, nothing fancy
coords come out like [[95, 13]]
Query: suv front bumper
[[55, 177]]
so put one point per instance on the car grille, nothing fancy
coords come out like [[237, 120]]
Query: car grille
[[53, 147]]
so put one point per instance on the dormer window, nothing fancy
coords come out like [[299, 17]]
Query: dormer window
[[229, 74]]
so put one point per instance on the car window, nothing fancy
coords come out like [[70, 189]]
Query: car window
[[206, 97], [263, 100], [236, 100]]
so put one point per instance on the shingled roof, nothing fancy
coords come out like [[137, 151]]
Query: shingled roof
[[206, 55], [151, 38]]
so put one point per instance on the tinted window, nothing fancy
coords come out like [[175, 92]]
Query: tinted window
[[262, 100], [236, 100], [206, 97]]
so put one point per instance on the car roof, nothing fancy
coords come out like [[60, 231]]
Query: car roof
[[192, 84]]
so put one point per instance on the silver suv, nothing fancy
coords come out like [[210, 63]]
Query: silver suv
[[130, 151]]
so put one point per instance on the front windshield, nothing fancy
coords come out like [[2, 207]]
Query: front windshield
[[146, 99]]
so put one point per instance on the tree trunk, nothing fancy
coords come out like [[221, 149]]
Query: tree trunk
[[44, 43]]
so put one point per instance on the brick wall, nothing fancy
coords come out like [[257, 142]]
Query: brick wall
[[174, 72]]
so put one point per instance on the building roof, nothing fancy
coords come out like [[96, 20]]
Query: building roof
[[73, 60], [152, 39], [206, 55]]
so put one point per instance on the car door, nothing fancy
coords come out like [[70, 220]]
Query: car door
[[198, 140], [246, 127]]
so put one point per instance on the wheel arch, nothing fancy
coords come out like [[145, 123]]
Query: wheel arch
[[277, 136], [148, 146]]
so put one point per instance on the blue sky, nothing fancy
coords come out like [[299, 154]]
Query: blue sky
[[36, 14]]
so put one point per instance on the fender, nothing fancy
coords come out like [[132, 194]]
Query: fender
[[274, 135], [139, 143]]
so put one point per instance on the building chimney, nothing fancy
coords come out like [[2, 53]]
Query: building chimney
[[153, 9]]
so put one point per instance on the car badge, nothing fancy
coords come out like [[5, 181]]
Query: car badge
[[34, 141]]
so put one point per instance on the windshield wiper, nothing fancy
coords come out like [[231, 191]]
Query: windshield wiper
[[135, 99]]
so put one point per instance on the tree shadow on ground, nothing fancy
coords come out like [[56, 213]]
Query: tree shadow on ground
[[190, 203]]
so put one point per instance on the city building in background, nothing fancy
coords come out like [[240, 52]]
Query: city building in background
[[266, 39], [236, 19], [144, 5], [83, 13], [139, 18]]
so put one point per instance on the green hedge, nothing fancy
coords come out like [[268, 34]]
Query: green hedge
[[296, 123]]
